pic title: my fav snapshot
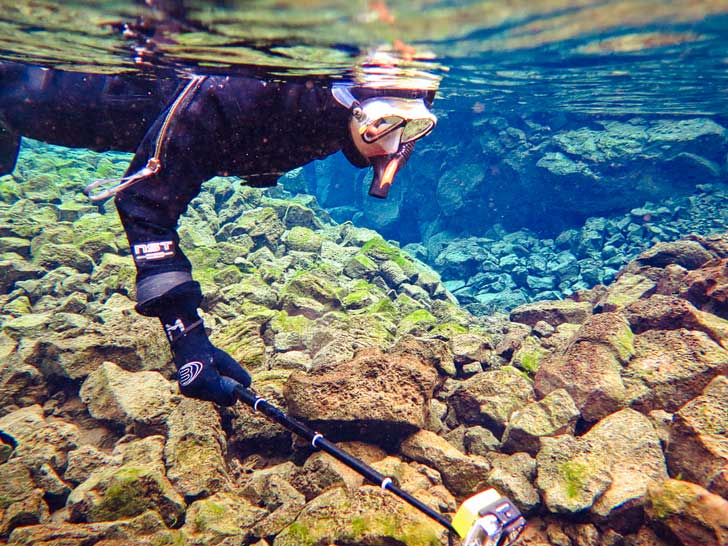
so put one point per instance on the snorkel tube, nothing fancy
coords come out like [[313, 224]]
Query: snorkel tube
[[385, 167]]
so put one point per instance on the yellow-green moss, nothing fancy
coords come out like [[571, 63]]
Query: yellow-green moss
[[300, 533], [449, 329], [575, 475]]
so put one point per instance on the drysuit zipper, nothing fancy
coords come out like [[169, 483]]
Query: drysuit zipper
[[154, 163]]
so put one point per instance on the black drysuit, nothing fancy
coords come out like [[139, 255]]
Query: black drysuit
[[196, 129]]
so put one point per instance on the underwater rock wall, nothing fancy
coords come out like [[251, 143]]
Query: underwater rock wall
[[603, 416], [515, 209]]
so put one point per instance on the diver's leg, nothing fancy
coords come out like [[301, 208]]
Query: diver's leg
[[149, 212], [9, 149]]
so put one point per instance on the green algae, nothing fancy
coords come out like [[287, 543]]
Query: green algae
[[575, 475], [417, 318]]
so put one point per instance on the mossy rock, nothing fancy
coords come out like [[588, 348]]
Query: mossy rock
[[241, 339], [361, 266], [90, 225], [419, 320], [203, 257], [448, 330], [125, 492], [99, 244], [227, 275], [10, 190], [303, 239], [223, 515], [360, 294], [314, 286], [529, 355], [380, 251], [15, 244], [58, 233], [115, 274], [360, 516], [52, 256]]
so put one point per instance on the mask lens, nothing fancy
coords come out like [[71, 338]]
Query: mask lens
[[417, 128], [377, 129]]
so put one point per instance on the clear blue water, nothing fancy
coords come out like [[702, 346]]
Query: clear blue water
[[555, 117]]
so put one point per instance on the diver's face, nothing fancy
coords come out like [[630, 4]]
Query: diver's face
[[384, 131]]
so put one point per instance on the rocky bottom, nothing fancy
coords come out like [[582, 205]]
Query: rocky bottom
[[603, 416]]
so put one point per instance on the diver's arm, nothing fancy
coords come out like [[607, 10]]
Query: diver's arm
[[149, 211]]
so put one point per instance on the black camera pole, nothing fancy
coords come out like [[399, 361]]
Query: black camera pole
[[318, 441]]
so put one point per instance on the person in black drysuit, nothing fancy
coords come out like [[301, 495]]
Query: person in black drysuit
[[185, 131]]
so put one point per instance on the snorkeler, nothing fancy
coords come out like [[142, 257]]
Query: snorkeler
[[184, 132]]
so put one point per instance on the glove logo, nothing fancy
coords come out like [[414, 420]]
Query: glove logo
[[189, 372]]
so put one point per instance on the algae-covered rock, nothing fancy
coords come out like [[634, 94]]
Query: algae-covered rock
[[513, 476], [261, 224], [195, 449], [223, 515], [14, 268], [39, 441], [125, 492], [84, 461], [671, 367], [698, 442], [361, 516], [627, 289], [303, 239], [529, 355], [632, 452], [489, 398], [570, 476], [273, 491], [115, 274], [16, 484], [242, 340], [690, 515], [127, 397], [590, 372], [670, 313], [552, 312], [30, 510], [51, 255], [378, 391], [146, 529], [321, 471], [462, 474], [554, 414]]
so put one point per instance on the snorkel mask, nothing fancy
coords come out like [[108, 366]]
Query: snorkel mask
[[384, 130]]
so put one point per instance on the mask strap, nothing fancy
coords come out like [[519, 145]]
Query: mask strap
[[342, 95]]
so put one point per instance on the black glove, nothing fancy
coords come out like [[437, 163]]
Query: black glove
[[203, 371]]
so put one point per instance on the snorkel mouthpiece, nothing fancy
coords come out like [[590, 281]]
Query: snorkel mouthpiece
[[385, 167]]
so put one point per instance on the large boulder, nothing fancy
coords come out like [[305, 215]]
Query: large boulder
[[553, 312], [490, 398], [124, 492], [698, 442], [671, 367], [590, 372], [553, 415], [462, 474], [114, 394], [671, 313], [686, 253], [360, 516], [195, 449], [606, 471], [380, 392], [688, 514]]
